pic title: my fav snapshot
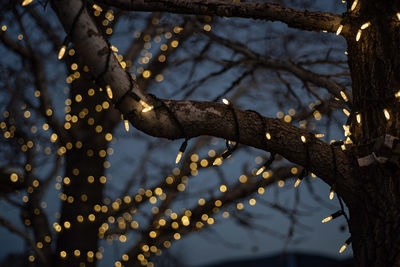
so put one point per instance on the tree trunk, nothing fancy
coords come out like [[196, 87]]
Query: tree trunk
[[374, 63], [84, 170], [82, 236]]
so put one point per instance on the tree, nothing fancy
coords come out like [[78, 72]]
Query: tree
[[363, 169]]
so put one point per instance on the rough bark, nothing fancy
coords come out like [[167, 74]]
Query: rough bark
[[374, 63], [302, 19], [84, 167], [198, 118]]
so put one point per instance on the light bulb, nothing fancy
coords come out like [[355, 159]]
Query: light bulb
[[145, 105], [109, 92], [327, 219], [298, 181], [225, 101], [62, 52], [365, 25], [126, 123], [339, 30], [387, 114], [358, 117], [344, 96], [260, 170], [268, 136], [331, 194], [217, 161], [178, 157], [343, 248], [353, 6], [97, 7], [303, 139], [358, 36], [26, 2]]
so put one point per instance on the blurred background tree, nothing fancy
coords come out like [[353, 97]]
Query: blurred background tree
[[67, 122]]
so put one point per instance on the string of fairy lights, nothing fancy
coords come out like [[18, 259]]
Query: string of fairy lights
[[389, 142]]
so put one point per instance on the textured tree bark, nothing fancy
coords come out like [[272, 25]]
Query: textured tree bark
[[81, 236], [374, 63], [85, 169], [371, 193]]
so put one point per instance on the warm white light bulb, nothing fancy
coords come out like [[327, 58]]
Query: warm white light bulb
[[339, 30], [260, 170], [217, 161], [303, 139], [126, 123], [331, 194], [298, 181], [344, 96], [327, 219], [358, 36], [346, 112], [354, 5], [225, 101], [178, 157], [145, 105], [109, 92], [268, 136], [26, 2], [387, 114], [62, 52], [358, 117], [343, 248], [97, 7], [365, 25]]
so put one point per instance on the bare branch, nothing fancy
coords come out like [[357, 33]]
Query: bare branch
[[294, 18], [12, 228], [199, 118]]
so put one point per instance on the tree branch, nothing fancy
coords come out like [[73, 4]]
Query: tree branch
[[294, 18], [12, 228], [199, 118]]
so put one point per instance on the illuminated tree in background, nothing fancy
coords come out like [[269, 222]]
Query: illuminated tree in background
[[363, 169]]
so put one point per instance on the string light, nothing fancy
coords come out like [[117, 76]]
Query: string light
[[225, 101], [260, 170], [344, 96], [358, 36], [113, 48], [339, 30], [345, 245], [332, 193], [217, 161], [146, 106], [61, 53], [354, 5], [126, 123], [303, 139], [26, 2], [397, 95], [365, 25], [398, 15], [358, 118], [109, 92], [297, 183], [387, 114], [345, 111], [181, 150], [268, 135], [332, 216], [97, 7], [346, 130]]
